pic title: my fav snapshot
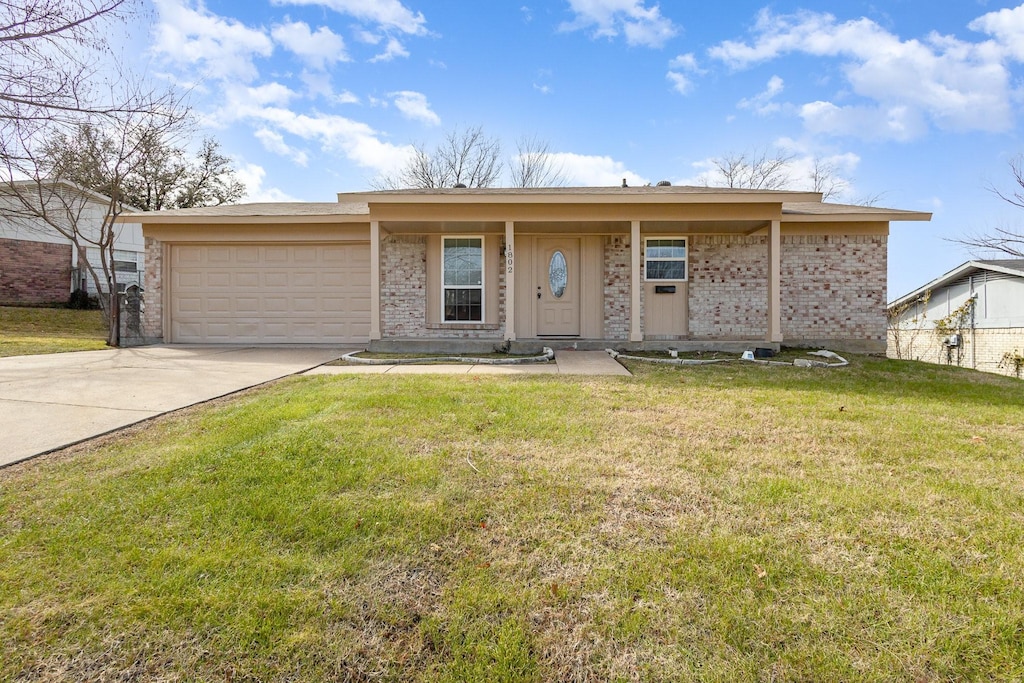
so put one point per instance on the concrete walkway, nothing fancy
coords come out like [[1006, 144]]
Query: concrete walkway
[[55, 400], [566, 363]]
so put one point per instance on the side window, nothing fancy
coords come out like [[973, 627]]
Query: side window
[[462, 272], [665, 258]]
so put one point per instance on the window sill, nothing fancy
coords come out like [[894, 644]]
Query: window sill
[[463, 326]]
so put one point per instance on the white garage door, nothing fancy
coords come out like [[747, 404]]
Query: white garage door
[[270, 294]]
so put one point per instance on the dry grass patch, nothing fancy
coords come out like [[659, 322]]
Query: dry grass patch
[[703, 523]]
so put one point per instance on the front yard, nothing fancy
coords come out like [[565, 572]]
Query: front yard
[[701, 523], [26, 331]]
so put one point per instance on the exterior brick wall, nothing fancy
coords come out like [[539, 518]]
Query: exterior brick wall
[[728, 287], [403, 293], [34, 272], [983, 349], [152, 297], [833, 287], [617, 288]]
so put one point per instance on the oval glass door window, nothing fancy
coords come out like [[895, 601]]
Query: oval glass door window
[[558, 277]]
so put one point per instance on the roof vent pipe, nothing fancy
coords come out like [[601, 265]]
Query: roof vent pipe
[[624, 183]]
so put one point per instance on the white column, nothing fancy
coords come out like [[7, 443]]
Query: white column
[[775, 283], [374, 280], [510, 280], [636, 332]]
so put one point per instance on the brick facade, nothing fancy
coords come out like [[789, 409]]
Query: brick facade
[[617, 288], [403, 294], [728, 287], [34, 272], [152, 315], [981, 349], [833, 288]]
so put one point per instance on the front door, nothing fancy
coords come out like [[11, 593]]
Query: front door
[[557, 275]]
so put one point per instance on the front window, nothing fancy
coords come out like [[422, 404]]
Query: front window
[[665, 259], [463, 277]]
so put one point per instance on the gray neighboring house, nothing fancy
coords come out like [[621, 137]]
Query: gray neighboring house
[[990, 332], [40, 266]]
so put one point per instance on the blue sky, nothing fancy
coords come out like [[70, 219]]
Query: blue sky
[[914, 102]]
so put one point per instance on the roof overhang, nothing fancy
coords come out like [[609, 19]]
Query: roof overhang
[[953, 275]]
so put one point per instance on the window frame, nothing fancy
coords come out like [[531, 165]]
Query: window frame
[[481, 287], [674, 259]]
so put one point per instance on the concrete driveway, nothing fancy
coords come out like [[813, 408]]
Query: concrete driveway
[[51, 401]]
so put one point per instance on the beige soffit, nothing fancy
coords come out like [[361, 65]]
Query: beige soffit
[[580, 195], [811, 212], [266, 212]]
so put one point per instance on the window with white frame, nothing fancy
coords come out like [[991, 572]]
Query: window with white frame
[[463, 278], [665, 258]]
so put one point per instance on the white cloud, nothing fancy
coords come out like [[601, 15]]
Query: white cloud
[[252, 176], [955, 85], [393, 49], [219, 47], [642, 25], [414, 106], [686, 62], [318, 48], [346, 97], [357, 141], [1007, 27], [542, 89], [389, 14], [763, 103], [274, 142], [680, 82], [588, 170]]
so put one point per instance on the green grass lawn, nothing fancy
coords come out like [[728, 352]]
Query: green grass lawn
[[26, 331], [712, 523]]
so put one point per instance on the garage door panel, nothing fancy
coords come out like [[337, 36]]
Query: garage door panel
[[270, 293]]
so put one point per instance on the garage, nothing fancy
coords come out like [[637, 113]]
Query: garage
[[273, 293]]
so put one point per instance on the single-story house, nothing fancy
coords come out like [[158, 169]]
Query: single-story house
[[450, 269], [39, 265], [972, 316]]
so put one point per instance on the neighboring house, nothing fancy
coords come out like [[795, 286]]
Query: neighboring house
[[972, 316], [449, 269], [38, 265]]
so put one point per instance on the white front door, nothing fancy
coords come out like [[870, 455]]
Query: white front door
[[557, 275]]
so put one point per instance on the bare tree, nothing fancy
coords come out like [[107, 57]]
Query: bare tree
[[534, 166], [754, 170], [1003, 240], [825, 178], [468, 158], [73, 184]]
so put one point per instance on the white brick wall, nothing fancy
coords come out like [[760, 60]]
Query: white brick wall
[[152, 296], [982, 349], [833, 287], [617, 288], [728, 287]]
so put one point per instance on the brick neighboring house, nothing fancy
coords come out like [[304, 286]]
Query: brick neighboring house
[[38, 265], [468, 269], [990, 294]]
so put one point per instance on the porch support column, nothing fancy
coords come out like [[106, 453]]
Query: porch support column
[[510, 280], [374, 280], [775, 283], [636, 332]]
